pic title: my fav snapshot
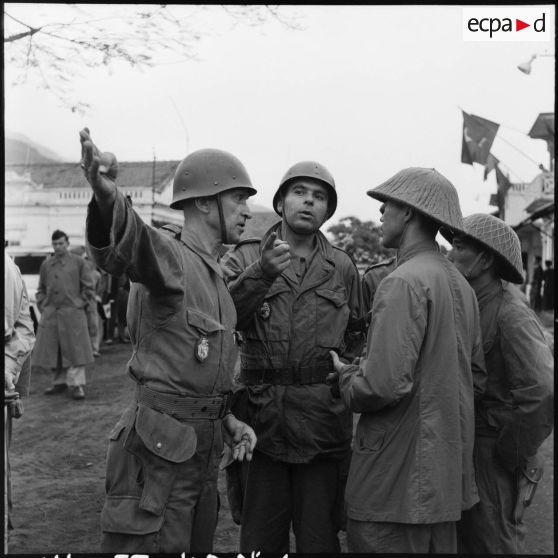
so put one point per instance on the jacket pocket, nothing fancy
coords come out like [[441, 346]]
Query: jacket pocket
[[124, 515], [332, 315], [272, 318], [370, 441]]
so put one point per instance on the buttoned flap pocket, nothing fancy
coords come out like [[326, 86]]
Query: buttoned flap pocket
[[337, 298], [370, 441], [332, 315], [203, 322], [124, 515], [165, 436], [272, 317]]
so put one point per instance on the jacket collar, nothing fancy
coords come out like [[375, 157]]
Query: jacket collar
[[323, 248], [489, 291], [413, 248], [193, 241]]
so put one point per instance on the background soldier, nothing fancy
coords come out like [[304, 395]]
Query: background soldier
[[63, 342], [412, 471], [517, 411], [163, 455], [297, 297]]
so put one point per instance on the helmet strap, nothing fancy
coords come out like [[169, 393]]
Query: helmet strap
[[469, 270], [224, 236]]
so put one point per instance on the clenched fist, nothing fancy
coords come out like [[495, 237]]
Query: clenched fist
[[276, 256]]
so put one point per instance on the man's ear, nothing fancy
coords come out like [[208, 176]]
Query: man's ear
[[487, 260], [280, 205], [408, 214], [203, 204]]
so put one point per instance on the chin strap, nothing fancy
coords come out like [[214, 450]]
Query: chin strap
[[224, 235], [469, 270]]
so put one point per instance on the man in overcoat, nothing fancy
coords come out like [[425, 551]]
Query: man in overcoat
[[63, 343], [164, 452], [516, 413], [297, 297], [412, 472]]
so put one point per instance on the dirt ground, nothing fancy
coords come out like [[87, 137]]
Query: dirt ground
[[58, 453]]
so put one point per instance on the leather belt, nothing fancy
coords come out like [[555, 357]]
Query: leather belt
[[183, 407], [286, 376]]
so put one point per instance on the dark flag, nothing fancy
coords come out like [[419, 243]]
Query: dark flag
[[502, 180], [491, 164], [478, 136]]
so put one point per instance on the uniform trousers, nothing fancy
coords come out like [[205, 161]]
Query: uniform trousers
[[278, 494], [189, 517], [488, 527], [402, 538]]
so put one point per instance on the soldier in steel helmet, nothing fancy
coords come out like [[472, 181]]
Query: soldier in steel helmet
[[516, 413], [297, 298], [162, 460], [411, 473]]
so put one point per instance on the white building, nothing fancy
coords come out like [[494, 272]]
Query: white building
[[40, 198]]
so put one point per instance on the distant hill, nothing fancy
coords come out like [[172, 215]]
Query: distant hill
[[20, 150]]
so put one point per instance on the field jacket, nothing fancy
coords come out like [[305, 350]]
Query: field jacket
[[290, 326], [518, 406]]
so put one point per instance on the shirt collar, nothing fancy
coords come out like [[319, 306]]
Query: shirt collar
[[193, 240]]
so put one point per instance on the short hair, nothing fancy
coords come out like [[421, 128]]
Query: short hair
[[59, 234], [538, 259], [548, 263]]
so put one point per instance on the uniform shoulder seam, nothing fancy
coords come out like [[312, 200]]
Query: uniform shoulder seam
[[244, 241]]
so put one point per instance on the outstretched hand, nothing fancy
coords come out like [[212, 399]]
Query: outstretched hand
[[100, 169]]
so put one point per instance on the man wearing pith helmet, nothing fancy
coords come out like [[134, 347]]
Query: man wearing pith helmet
[[297, 298], [163, 455], [411, 472], [517, 411]]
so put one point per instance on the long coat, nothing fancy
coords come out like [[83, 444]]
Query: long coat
[[65, 287], [413, 450]]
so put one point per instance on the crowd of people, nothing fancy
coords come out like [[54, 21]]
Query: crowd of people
[[406, 407]]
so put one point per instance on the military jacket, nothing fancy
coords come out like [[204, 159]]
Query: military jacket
[[292, 324], [181, 317], [372, 278], [518, 406]]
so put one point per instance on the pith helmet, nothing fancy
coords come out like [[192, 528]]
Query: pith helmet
[[309, 169], [425, 190], [500, 239], [208, 172]]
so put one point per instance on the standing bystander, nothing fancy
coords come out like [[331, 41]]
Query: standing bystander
[[63, 342]]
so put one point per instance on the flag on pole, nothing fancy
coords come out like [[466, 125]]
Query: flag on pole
[[503, 182], [491, 164], [478, 136]]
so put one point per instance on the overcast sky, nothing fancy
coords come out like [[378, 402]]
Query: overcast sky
[[365, 90]]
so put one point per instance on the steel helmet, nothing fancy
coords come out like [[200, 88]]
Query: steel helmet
[[499, 238], [425, 190], [309, 169], [207, 172]]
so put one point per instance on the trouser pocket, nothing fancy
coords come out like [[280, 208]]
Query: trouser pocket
[[161, 444]]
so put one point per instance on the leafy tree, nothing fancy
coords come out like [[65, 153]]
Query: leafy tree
[[360, 239], [56, 43]]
